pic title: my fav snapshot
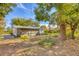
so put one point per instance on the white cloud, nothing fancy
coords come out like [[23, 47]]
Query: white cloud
[[25, 9], [20, 5]]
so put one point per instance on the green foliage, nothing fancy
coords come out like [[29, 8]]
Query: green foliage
[[76, 34], [54, 32], [47, 42], [24, 37], [68, 33], [48, 32], [65, 14], [5, 8], [1, 38], [9, 30], [1, 30], [42, 12], [25, 22]]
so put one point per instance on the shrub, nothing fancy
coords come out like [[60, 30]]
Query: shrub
[[68, 32], [47, 42], [24, 37], [46, 32], [54, 32], [76, 34], [1, 37], [9, 30]]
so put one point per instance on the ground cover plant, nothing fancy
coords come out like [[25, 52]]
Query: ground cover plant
[[24, 37], [47, 42]]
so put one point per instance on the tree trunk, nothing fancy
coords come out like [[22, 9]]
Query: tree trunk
[[49, 26], [62, 31], [72, 32]]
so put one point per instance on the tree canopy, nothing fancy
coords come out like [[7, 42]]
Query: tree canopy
[[65, 14], [24, 22], [5, 8]]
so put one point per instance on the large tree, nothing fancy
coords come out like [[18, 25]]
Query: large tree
[[72, 13], [5, 8], [61, 18], [43, 14], [65, 14], [24, 22]]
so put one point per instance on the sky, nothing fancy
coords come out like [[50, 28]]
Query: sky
[[23, 10]]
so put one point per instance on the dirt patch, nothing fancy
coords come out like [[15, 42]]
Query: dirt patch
[[19, 48]]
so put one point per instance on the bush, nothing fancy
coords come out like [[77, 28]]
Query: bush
[[54, 32], [24, 37], [48, 42], [9, 30], [1, 37], [76, 34], [46, 32]]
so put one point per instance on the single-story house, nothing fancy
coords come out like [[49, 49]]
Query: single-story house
[[19, 30]]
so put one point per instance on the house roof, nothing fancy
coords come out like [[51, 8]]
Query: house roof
[[26, 27]]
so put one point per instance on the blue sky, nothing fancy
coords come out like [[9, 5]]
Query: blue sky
[[25, 10]]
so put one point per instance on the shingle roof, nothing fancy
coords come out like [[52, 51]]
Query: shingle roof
[[27, 27]]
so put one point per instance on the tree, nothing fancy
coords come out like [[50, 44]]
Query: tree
[[60, 21], [69, 16], [24, 22], [5, 8], [43, 12], [73, 17]]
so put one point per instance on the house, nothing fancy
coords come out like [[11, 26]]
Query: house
[[20, 30]]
